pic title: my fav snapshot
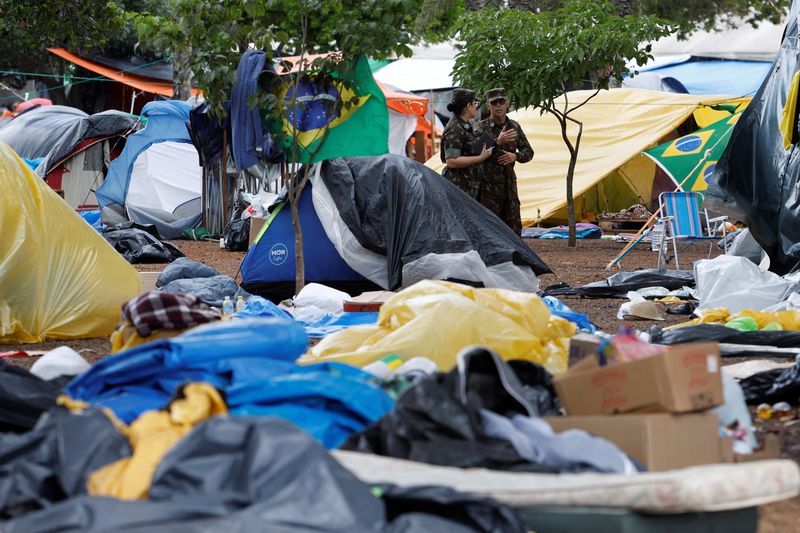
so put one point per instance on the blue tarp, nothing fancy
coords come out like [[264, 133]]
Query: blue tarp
[[253, 362], [583, 230], [558, 308], [724, 77]]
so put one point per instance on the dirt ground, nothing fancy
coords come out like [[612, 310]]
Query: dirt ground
[[578, 266]]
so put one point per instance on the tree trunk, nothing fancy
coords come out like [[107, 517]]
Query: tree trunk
[[182, 75], [299, 258], [572, 241]]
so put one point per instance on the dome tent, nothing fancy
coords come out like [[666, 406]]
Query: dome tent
[[158, 178]]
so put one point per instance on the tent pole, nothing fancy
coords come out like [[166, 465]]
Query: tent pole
[[133, 100], [433, 122]]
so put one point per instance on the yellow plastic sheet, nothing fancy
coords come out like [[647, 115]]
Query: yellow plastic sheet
[[789, 320], [59, 279], [789, 115], [617, 125], [151, 436], [436, 319]]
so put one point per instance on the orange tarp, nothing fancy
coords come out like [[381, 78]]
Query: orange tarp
[[143, 83]]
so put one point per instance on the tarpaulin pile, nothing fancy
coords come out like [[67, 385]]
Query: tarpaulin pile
[[253, 362], [485, 413], [187, 276], [436, 319], [141, 243], [619, 284], [23, 398], [58, 278], [235, 473]]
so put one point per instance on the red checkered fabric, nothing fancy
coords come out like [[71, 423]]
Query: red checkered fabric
[[155, 310]]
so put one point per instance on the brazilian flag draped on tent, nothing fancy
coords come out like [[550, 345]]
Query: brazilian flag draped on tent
[[341, 115], [690, 160]]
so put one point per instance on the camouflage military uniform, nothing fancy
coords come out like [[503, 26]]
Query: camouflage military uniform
[[457, 140], [499, 189]]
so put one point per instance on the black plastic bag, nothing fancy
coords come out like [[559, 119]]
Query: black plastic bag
[[771, 386], [237, 235], [720, 333], [139, 243]]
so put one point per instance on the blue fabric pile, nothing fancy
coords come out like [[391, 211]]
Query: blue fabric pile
[[253, 362]]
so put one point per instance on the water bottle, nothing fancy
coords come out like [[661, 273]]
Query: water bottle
[[240, 303], [227, 306]]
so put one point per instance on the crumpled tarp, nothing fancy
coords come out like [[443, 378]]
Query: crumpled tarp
[[724, 334], [583, 230], [23, 398], [619, 284], [212, 291], [183, 268], [264, 474], [58, 278], [436, 319], [140, 244], [151, 436], [559, 308], [53, 461], [788, 320], [252, 361]]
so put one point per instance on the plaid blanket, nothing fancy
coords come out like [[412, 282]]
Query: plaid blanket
[[155, 310]]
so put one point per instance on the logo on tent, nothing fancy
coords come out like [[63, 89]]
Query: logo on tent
[[278, 254], [689, 144]]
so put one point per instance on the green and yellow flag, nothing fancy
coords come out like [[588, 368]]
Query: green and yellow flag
[[690, 160], [345, 118]]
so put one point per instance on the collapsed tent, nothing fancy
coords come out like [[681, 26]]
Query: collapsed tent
[[59, 278], [157, 179], [756, 179], [75, 147], [611, 173], [393, 222]]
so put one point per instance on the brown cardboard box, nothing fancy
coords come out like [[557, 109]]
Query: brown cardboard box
[[684, 379], [148, 281], [367, 301], [658, 441], [583, 345], [255, 226]]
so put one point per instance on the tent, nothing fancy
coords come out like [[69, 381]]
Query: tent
[[59, 277], [697, 76], [756, 178], [157, 179], [74, 147], [611, 173], [387, 221]]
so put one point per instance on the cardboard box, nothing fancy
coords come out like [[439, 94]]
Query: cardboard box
[[583, 345], [255, 226], [367, 301], [658, 441], [148, 281], [686, 378]]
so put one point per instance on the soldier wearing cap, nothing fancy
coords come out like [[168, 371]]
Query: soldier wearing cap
[[499, 188], [458, 151]]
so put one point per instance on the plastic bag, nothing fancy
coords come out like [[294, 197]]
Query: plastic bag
[[436, 319], [237, 235], [62, 361], [326, 298]]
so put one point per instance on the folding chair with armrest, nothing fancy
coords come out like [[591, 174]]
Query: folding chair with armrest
[[681, 218]]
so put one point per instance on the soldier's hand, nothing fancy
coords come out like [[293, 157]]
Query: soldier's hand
[[485, 153], [507, 158], [507, 136]]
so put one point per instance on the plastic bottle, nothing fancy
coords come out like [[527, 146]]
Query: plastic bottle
[[240, 303], [227, 306]]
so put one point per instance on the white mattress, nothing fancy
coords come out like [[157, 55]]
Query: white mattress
[[702, 488]]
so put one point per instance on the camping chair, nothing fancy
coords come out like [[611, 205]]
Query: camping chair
[[681, 219]]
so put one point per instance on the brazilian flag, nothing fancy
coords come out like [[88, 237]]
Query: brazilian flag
[[345, 118], [690, 160]]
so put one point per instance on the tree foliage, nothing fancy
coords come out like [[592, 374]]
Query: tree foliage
[[538, 57]]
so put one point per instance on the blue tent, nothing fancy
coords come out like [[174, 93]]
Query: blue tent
[[268, 269], [723, 77], [157, 179]]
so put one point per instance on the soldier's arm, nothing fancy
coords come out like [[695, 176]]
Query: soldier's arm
[[524, 149]]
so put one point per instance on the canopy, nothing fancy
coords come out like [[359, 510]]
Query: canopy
[[690, 160], [741, 78], [741, 42], [611, 173]]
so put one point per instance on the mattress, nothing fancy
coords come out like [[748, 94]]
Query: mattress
[[717, 487]]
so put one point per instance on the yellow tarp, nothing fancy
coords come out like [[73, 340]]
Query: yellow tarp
[[151, 436], [788, 320], [59, 279], [617, 125], [436, 319]]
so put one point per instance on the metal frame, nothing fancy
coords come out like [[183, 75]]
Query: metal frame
[[709, 236]]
